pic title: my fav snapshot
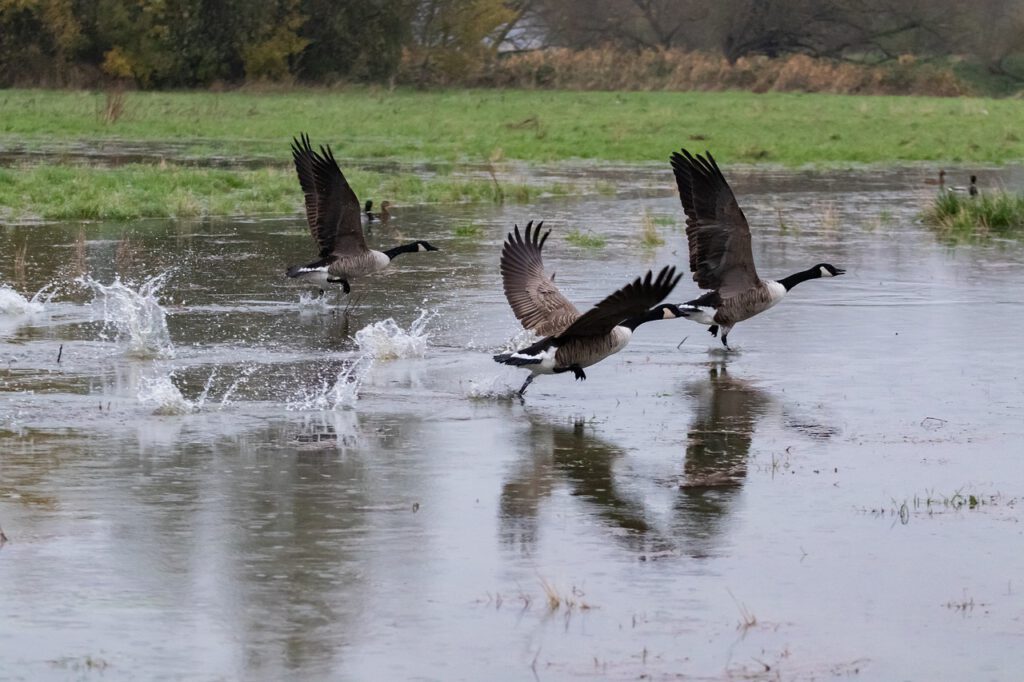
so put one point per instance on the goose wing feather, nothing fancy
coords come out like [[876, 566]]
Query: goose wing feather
[[632, 300], [332, 208], [716, 229], [534, 298]]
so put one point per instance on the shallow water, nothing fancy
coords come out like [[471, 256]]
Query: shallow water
[[216, 476]]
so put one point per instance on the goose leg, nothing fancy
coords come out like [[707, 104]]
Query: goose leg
[[343, 282], [725, 341], [576, 370], [529, 380]]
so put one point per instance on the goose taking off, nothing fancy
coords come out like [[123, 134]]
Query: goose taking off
[[720, 255], [334, 217], [572, 340]]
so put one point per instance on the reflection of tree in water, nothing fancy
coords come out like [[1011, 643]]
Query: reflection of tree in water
[[573, 455]]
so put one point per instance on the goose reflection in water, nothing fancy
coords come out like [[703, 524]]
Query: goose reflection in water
[[569, 454], [725, 415]]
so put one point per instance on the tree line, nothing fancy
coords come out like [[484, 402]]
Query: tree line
[[198, 43]]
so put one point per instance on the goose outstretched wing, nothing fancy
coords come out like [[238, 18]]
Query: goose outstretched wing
[[632, 300], [332, 208], [716, 229], [534, 298]]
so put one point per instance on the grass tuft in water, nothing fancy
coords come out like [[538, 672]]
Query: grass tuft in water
[[961, 216], [649, 237], [587, 240], [468, 230]]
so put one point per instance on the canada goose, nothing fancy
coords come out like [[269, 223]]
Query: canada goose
[[572, 340], [940, 181], [972, 189], [332, 211], [720, 256], [369, 217]]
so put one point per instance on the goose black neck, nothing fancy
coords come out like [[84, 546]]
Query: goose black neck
[[404, 248], [650, 316], [802, 276]]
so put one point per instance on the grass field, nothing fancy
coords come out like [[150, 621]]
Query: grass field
[[476, 126]]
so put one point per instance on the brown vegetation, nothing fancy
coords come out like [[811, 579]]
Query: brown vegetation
[[613, 69]]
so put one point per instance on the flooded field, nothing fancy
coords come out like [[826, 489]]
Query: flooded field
[[207, 473]]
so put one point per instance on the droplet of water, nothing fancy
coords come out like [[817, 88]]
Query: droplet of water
[[166, 398], [344, 392], [14, 304], [135, 315], [386, 340]]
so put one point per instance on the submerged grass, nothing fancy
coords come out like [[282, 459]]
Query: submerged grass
[[962, 217], [585, 240]]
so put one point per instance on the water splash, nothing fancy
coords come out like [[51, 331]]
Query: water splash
[[14, 304], [309, 302], [343, 392], [166, 398], [494, 388], [386, 340], [135, 315]]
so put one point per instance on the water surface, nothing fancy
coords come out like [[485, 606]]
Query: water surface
[[217, 481]]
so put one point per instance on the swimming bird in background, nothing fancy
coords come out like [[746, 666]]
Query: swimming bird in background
[[369, 217], [720, 254], [940, 181], [332, 211], [572, 340]]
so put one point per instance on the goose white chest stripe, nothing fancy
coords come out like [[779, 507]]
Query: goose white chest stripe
[[721, 258], [572, 340]]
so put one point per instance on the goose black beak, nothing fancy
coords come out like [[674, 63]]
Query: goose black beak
[[840, 271]]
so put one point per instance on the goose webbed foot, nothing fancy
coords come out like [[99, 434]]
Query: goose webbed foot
[[577, 372], [713, 330]]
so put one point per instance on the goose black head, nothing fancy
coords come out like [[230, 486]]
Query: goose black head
[[368, 206], [667, 311], [828, 270], [425, 246]]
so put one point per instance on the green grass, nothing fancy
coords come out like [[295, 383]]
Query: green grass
[[468, 230], [66, 192], [483, 125], [449, 128], [962, 217]]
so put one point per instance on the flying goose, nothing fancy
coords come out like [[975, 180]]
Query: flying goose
[[572, 340], [720, 256], [332, 211]]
